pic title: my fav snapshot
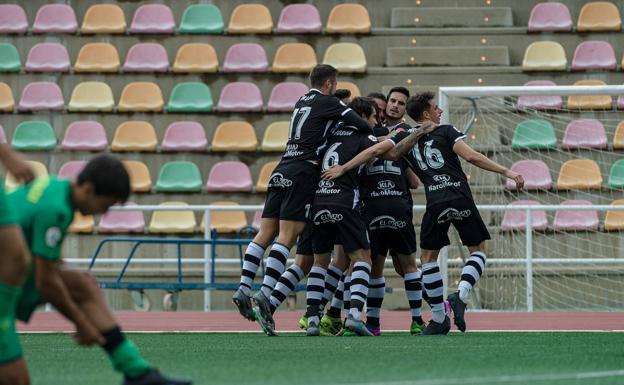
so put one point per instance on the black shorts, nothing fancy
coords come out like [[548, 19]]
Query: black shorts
[[334, 224], [463, 214], [304, 242], [390, 226], [291, 191]]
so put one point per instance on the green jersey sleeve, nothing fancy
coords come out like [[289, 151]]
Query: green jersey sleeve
[[48, 232]]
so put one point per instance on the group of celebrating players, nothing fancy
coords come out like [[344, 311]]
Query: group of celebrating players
[[342, 193]]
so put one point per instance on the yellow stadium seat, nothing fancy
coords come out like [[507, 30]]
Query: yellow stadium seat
[[172, 222], [82, 224], [225, 221], [276, 136], [595, 102], [6, 98], [92, 97], [355, 90], [196, 57], [579, 174], [544, 56], [140, 179], [103, 18], [141, 97], [265, 175], [250, 18], [614, 220], [346, 57], [38, 168], [136, 136], [294, 58], [599, 16], [348, 18], [618, 138], [97, 57], [235, 136]]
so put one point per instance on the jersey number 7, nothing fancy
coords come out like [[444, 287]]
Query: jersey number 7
[[299, 117]]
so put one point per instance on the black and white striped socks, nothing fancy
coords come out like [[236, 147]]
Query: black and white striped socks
[[472, 271], [376, 291], [275, 266], [413, 290], [314, 293], [359, 288], [285, 285], [432, 281], [331, 283], [251, 261], [337, 300]]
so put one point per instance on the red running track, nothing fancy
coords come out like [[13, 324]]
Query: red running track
[[223, 321]]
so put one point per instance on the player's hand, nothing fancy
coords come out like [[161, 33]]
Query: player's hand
[[516, 178], [334, 172], [87, 335], [19, 168]]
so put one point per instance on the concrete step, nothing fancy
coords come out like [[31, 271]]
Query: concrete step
[[447, 56], [424, 17]]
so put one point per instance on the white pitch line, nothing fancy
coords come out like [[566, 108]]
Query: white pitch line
[[302, 331]]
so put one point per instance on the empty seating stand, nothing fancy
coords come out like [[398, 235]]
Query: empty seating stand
[[265, 175], [38, 168], [599, 16], [584, 133], [544, 56], [71, 169], [41, 96], [294, 58], [234, 136], [103, 19], [224, 222], [595, 102], [348, 18], [550, 17], [47, 57], [346, 57], [196, 57], [574, 220], [455, 16], [250, 19], [534, 135], [190, 97], [616, 175], [146, 57], [179, 176], [285, 95], [594, 55], [7, 102], [9, 58], [122, 221], [618, 137], [153, 19], [517, 220], [614, 220], [579, 174], [229, 176], [540, 102], [134, 136], [245, 57], [55, 18], [201, 19], [91, 97], [12, 19], [184, 136], [275, 136], [34, 135], [172, 222], [240, 97], [97, 57], [536, 175], [352, 87], [82, 224], [84, 136], [140, 178], [141, 97], [299, 18]]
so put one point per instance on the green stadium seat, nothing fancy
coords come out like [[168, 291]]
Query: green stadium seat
[[179, 176], [9, 58], [34, 135], [616, 176], [201, 18], [190, 97], [534, 135]]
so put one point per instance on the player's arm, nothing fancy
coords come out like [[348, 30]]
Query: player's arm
[[363, 157], [405, 145], [485, 163], [412, 179], [15, 164]]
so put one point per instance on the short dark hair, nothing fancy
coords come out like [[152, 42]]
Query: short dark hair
[[377, 95], [418, 104], [399, 89], [108, 175], [342, 93], [363, 106], [321, 73]]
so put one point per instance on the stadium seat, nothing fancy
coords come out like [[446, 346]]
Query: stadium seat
[[536, 175], [229, 176], [82, 224], [122, 221], [97, 57], [348, 18], [146, 57], [2, 135], [618, 137], [614, 220], [104, 19], [544, 56], [596, 102], [152, 19], [539, 102], [12, 19], [7, 103], [245, 57], [275, 137], [250, 18], [576, 220], [599, 16], [71, 169], [140, 178], [534, 135], [47, 57], [346, 57], [517, 220], [38, 168], [234, 136], [9, 58], [55, 18], [294, 58], [285, 95], [616, 175], [240, 97], [184, 136], [299, 18], [584, 133], [179, 176], [265, 175], [201, 19], [41, 96], [550, 17], [620, 102], [225, 221], [579, 174], [171, 222], [355, 90], [84, 136], [91, 97], [137, 136], [141, 97], [190, 97], [34, 135], [196, 57], [594, 55]]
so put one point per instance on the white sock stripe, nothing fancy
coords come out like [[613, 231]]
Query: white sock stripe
[[336, 270], [429, 266], [412, 276], [472, 272], [377, 281], [281, 249], [413, 295], [480, 254], [255, 250], [297, 271], [274, 263], [373, 312]]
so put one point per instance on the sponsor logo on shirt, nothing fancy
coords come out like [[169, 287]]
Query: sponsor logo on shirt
[[385, 184], [452, 214], [292, 150], [444, 181], [278, 180], [385, 188], [386, 222], [325, 188], [343, 133], [53, 236], [325, 216]]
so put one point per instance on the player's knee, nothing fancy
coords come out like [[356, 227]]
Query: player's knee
[[427, 259], [14, 377], [89, 285]]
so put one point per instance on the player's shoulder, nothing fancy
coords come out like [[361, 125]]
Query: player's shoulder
[[51, 194], [403, 127]]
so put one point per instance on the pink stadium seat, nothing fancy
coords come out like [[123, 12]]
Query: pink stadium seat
[[594, 55], [245, 57], [240, 97], [299, 18], [2, 135], [55, 18], [517, 220], [71, 169], [550, 17], [576, 220], [184, 136], [122, 221], [41, 96], [48, 57], [285, 95], [153, 18], [257, 219], [12, 19], [584, 133], [229, 176], [146, 57], [540, 102], [85, 136], [620, 102], [536, 175]]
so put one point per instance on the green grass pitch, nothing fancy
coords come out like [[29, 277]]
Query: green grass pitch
[[393, 359]]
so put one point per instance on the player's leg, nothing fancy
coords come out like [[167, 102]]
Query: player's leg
[[290, 278], [314, 291], [360, 276], [376, 292], [331, 322], [412, 280]]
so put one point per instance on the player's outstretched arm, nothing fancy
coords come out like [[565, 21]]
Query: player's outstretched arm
[[405, 145], [351, 118], [483, 162], [361, 158], [412, 179], [15, 164]]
